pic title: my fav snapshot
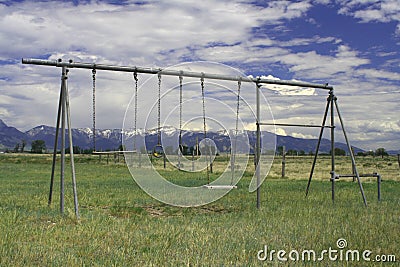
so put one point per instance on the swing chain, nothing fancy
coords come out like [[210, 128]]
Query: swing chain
[[238, 106], [135, 77], [204, 107], [159, 109], [204, 124], [233, 148], [180, 112], [94, 107]]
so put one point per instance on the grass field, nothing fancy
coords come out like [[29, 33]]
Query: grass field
[[122, 226]]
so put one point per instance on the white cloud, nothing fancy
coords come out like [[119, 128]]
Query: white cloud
[[287, 89], [308, 41], [372, 10], [316, 66], [305, 136], [379, 74], [280, 131]]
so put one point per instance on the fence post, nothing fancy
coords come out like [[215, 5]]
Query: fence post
[[193, 161], [283, 161], [398, 159]]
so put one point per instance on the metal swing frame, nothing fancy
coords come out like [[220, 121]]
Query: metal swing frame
[[233, 154], [64, 114], [118, 152]]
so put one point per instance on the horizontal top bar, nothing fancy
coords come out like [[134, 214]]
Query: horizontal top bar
[[294, 125], [70, 64]]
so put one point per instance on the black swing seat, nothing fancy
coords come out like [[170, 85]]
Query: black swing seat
[[158, 151]]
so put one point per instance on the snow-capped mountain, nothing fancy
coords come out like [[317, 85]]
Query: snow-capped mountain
[[111, 139]]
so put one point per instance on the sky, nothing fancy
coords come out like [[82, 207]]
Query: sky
[[351, 44]]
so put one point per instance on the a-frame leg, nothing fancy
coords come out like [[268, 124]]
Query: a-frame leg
[[63, 116], [71, 152], [55, 144], [353, 162], [318, 144]]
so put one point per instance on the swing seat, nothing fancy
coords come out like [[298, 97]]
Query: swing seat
[[209, 186], [158, 151]]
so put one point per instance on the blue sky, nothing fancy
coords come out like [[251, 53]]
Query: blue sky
[[351, 44]]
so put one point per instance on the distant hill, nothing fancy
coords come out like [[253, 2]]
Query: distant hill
[[10, 136], [110, 139]]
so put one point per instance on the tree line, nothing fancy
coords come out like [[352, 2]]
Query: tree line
[[39, 147], [380, 152]]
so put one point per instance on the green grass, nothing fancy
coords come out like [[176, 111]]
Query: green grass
[[120, 225]]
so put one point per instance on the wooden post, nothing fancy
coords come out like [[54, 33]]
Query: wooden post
[[398, 159], [283, 161], [165, 160], [193, 161], [197, 146], [353, 167], [378, 177]]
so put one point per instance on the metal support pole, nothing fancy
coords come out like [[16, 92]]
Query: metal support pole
[[178, 73], [258, 143], [353, 162], [333, 175], [62, 174], [53, 166], [71, 151], [318, 145]]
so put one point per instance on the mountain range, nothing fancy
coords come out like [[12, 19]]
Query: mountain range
[[110, 139]]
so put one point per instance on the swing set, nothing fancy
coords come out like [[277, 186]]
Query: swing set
[[158, 151]]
